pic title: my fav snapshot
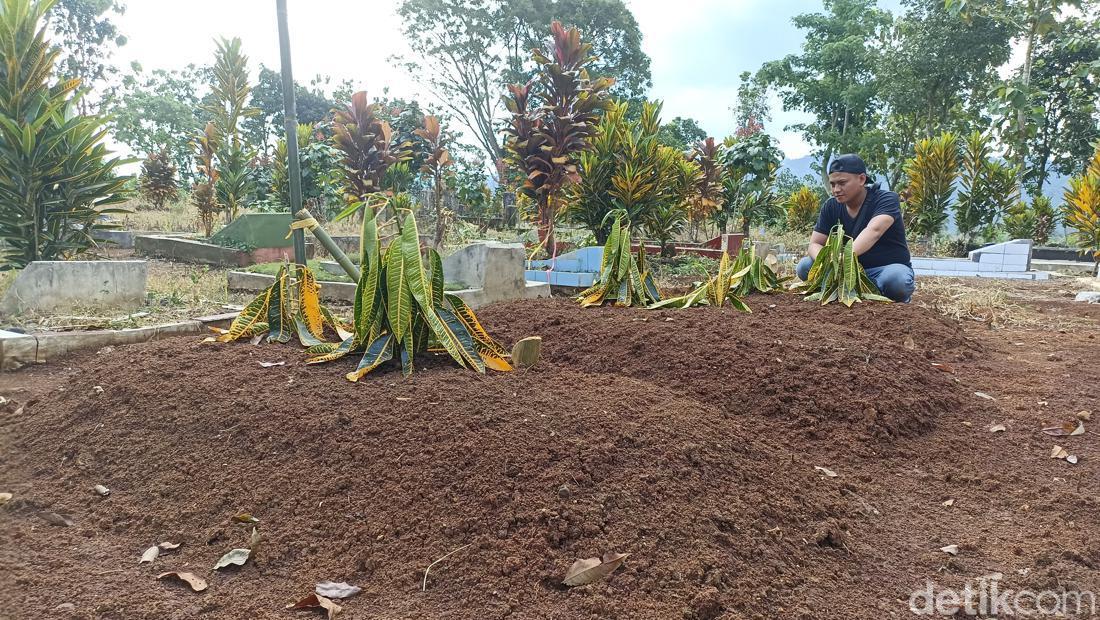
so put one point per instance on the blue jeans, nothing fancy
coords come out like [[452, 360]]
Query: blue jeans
[[896, 280]]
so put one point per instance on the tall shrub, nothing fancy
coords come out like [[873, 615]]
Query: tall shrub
[[932, 174], [1082, 208], [56, 176], [157, 183], [228, 109], [552, 119]]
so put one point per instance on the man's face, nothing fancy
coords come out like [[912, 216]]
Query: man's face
[[846, 185]]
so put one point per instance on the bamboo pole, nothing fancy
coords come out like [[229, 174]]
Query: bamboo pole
[[327, 242]]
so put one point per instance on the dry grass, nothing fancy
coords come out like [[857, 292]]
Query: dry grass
[[999, 303]]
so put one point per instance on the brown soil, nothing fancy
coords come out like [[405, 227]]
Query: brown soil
[[687, 439]]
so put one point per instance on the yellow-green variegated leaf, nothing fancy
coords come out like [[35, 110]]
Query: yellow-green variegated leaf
[[398, 296], [341, 350], [279, 317], [342, 329], [469, 319], [738, 304], [437, 277], [463, 337], [309, 302], [305, 336], [379, 351], [254, 314]]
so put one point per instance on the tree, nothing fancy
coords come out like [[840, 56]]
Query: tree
[[1030, 20], [681, 133], [58, 179], [87, 38], [228, 107], [157, 111], [553, 118], [752, 109], [833, 78], [203, 193], [750, 166], [1066, 81], [311, 106], [464, 51], [366, 142]]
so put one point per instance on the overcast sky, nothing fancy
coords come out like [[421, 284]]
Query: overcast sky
[[698, 48]]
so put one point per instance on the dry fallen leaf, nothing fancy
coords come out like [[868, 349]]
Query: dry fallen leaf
[[5, 498], [1058, 452], [256, 339], [950, 502], [909, 344], [1084, 416], [984, 395], [55, 519], [1066, 429], [828, 472], [332, 589], [102, 490], [586, 571], [316, 601], [235, 557], [245, 517], [943, 367], [270, 364], [254, 540], [209, 339], [168, 546], [1072, 459], [150, 554], [198, 584], [997, 428], [950, 549]]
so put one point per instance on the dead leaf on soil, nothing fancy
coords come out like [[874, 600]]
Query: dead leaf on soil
[[950, 502], [236, 557], [1058, 452], [198, 584], [209, 339], [256, 339], [150, 554], [168, 546], [102, 490], [593, 569], [950, 549], [270, 364], [254, 540], [828, 472], [984, 395], [55, 519], [332, 589], [1071, 428], [1084, 416], [316, 601], [1072, 459], [944, 367], [997, 428], [245, 517], [5, 498], [909, 344]]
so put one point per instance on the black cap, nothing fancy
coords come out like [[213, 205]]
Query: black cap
[[850, 163]]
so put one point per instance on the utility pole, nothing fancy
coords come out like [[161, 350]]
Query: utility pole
[[294, 169]]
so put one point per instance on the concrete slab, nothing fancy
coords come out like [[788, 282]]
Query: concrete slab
[[52, 286], [1089, 297], [195, 251], [495, 268]]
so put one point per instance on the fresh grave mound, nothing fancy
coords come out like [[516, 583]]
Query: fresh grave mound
[[630, 436], [868, 367]]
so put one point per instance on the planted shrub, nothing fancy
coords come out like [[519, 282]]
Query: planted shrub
[[624, 278], [716, 291], [838, 276], [158, 179]]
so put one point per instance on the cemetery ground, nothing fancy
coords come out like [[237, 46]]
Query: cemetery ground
[[800, 461]]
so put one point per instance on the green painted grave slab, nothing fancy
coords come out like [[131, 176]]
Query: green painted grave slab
[[258, 230]]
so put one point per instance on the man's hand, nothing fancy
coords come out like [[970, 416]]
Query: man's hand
[[817, 241], [870, 235]]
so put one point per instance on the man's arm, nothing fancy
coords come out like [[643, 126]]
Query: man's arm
[[870, 235], [817, 241]]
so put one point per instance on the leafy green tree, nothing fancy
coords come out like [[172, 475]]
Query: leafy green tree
[[681, 133], [1030, 20], [464, 51], [157, 111], [87, 38], [320, 170], [834, 77], [1066, 82], [750, 164], [311, 106], [932, 173], [752, 109], [58, 178]]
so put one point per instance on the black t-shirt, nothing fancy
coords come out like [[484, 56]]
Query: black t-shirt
[[890, 247]]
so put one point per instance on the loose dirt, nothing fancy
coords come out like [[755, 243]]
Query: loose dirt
[[688, 439]]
